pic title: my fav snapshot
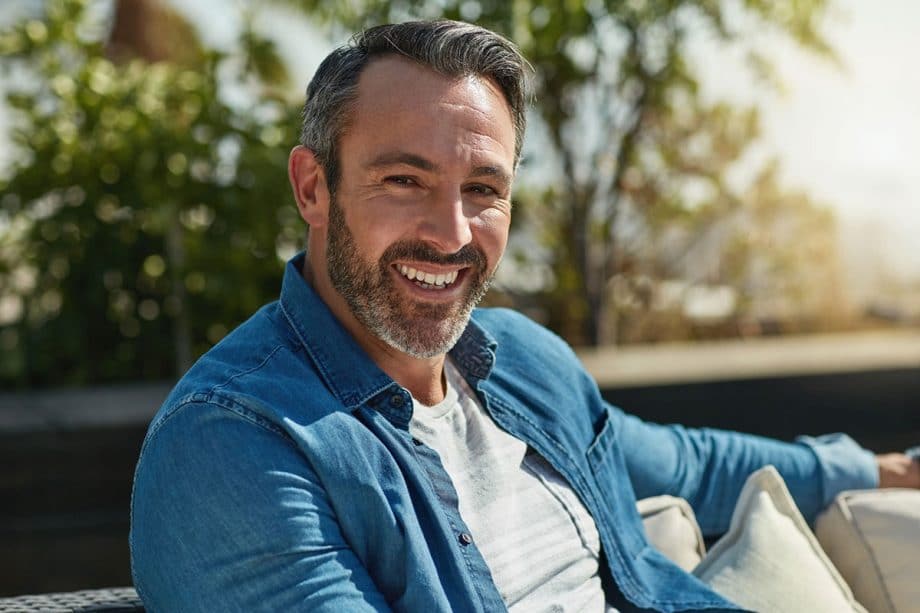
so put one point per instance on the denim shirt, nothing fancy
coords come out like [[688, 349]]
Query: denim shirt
[[280, 475]]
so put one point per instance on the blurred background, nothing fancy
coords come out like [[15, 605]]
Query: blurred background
[[718, 205]]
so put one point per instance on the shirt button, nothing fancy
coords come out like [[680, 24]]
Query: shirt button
[[396, 400], [465, 539]]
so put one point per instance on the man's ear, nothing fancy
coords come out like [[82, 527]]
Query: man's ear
[[308, 181]]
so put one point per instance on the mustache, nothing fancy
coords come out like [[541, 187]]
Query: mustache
[[468, 255]]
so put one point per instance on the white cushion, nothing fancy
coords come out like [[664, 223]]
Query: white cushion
[[873, 537], [672, 529], [769, 560]]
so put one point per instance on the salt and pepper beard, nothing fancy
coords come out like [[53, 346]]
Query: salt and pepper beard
[[419, 329]]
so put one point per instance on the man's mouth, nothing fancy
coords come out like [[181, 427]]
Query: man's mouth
[[427, 280]]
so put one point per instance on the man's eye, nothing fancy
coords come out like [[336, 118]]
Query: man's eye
[[485, 190], [400, 180]]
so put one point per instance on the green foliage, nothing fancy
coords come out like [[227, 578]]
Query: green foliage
[[143, 216]]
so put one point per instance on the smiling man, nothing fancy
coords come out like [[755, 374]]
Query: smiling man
[[372, 442]]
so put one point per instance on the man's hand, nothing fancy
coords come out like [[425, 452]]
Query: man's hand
[[898, 470]]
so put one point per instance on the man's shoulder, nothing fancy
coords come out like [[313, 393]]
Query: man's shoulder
[[260, 369], [522, 340], [501, 321], [247, 351], [538, 373], [512, 327]]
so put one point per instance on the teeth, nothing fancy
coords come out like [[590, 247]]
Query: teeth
[[428, 278]]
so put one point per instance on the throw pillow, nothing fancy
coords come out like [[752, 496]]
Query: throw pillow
[[769, 560], [873, 537], [672, 529]]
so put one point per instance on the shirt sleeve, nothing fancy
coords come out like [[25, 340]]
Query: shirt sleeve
[[844, 464], [228, 516], [708, 467]]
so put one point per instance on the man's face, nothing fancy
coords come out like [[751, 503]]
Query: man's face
[[420, 216]]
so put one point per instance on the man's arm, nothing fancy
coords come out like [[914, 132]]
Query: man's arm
[[708, 467], [227, 516]]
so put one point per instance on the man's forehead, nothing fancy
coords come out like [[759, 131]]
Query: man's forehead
[[395, 77], [406, 107]]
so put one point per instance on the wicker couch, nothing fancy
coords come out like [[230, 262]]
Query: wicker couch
[[122, 599]]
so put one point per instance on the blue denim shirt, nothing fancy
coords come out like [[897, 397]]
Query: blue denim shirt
[[280, 474]]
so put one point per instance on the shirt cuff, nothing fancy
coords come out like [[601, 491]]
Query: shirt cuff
[[844, 464]]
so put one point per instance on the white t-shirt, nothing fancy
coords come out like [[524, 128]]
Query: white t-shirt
[[537, 538]]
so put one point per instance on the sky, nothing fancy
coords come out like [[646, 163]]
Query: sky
[[849, 134]]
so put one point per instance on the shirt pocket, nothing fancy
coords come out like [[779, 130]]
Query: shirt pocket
[[601, 451], [613, 489]]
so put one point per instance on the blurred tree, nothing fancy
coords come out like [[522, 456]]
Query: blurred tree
[[784, 258], [144, 215], [152, 31], [621, 107], [772, 263]]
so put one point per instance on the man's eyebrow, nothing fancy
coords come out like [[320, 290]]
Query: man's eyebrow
[[393, 158], [492, 171]]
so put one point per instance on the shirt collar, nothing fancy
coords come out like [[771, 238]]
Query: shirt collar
[[345, 367], [474, 353]]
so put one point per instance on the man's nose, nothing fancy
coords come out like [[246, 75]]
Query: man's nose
[[446, 224]]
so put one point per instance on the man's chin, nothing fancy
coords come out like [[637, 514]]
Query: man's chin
[[426, 338]]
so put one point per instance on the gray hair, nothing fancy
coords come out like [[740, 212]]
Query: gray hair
[[451, 48]]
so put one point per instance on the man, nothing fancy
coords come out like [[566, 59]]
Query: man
[[369, 442]]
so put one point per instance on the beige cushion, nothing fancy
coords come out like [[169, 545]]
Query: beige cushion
[[769, 560], [873, 537], [672, 529]]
